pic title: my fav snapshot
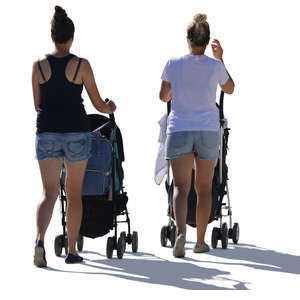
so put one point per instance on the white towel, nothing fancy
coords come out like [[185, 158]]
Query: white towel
[[161, 164], [163, 128]]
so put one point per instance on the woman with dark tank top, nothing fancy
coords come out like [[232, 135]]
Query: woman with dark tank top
[[62, 130]]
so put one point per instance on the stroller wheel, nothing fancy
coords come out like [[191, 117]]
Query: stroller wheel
[[109, 247], [135, 241], [123, 234], [215, 237], [164, 236], [173, 235], [224, 236], [80, 242], [58, 245], [235, 233], [230, 233], [120, 247]]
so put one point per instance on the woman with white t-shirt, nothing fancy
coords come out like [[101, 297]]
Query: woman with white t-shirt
[[193, 126]]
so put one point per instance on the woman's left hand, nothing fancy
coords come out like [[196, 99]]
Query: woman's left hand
[[112, 106]]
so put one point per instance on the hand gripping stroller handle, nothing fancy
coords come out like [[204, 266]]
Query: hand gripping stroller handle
[[111, 116]]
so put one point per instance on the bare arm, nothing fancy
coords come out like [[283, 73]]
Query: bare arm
[[35, 86], [165, 93], [92, 90], [217, 50], [228, 87]]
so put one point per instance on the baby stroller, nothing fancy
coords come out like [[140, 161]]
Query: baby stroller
[[104, 171], [219, 208]]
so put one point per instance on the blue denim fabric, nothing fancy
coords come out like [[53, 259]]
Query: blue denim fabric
[[74, 146], [204, 144]]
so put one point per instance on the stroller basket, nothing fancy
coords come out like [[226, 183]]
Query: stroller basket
[[98, 212]]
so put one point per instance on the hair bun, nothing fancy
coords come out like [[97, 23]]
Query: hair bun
[[200, 18], [60, 14]]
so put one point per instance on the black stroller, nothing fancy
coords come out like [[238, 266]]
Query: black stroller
[[219, 208], [99, 213]]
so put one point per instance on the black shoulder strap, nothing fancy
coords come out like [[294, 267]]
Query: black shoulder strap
[[39, 64], [77, 69]]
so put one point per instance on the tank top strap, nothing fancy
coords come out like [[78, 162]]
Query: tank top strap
[[50, 59], [41, 71], [40, 68], [77, 69]]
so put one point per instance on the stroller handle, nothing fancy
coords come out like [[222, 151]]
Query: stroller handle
[[111, 116], [221, 105], [169, 107]]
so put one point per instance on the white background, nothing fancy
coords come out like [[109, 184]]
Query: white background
[[127, 44]]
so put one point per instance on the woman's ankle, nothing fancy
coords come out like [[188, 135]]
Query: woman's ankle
[[201, 242], [72, 251], [39, 239]]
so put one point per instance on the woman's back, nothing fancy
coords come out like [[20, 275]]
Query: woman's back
[[61, 108], [194, 80]]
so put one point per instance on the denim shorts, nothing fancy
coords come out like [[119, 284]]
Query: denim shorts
[[73, 146], [204, 144]]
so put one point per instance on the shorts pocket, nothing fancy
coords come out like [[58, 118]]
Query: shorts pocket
[[177, 140], [210, 139], [77, 147], [45, 146]]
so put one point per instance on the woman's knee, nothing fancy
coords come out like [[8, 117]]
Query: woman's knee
[[203, 190], [50, 193], [74, 193], [182, 190]]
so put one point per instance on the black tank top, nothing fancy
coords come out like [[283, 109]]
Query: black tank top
[[61, 108]]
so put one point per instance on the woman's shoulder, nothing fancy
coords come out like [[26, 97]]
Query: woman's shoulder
[[84, 61], [76, 58], [41, 61], [177, 59]]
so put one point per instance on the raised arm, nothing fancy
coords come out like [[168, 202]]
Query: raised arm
[[88, 80], [217, 50]]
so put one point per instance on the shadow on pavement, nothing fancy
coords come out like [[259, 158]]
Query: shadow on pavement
[[148, 268]]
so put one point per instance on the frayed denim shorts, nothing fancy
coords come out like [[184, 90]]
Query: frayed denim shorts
[[73, 146], [204, 144]]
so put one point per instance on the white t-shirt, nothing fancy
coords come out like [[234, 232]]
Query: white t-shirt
[[194, 80]]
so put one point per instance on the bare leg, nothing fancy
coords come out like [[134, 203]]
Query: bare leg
[[203, 186], [74, 179], [50, 172], [182, 172]]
